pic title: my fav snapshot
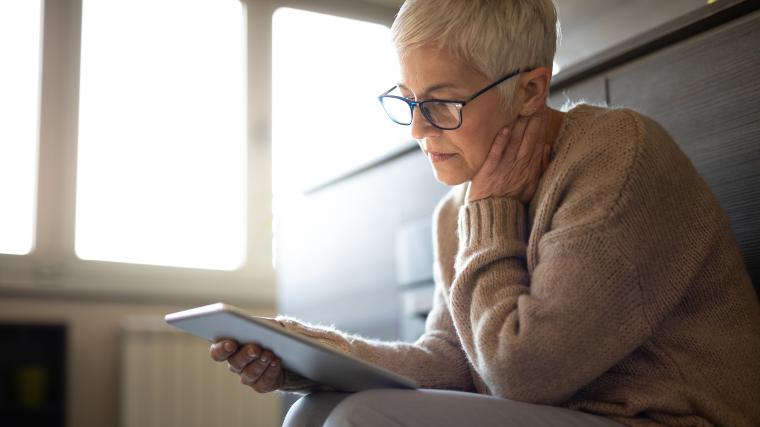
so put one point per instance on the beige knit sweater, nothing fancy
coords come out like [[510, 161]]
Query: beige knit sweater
[[618, 291]]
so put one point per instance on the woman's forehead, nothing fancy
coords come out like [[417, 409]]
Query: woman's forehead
[[425, 70]]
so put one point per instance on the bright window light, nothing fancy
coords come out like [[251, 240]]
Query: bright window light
[[161, 172], [19, 102], [327, 72]]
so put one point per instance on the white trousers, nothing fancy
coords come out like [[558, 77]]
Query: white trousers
[[420, 408]]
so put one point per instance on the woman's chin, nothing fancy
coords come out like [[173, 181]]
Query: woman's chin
[[448, 178]]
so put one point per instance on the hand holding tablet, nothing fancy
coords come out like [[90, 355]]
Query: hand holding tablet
[[258, 368], [271, 344]]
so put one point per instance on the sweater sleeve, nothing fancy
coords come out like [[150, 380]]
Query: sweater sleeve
[[435, 360], [540, 338], [541, 335]]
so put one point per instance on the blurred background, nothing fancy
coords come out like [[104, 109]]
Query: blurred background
[[157, 155]]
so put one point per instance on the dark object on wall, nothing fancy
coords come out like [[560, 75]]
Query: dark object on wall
[[32, 375]]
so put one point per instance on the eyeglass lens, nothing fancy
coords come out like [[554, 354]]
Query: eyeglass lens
[[398, 110], [441, 114]]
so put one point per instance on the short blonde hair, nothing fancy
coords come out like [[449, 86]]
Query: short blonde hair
[[494, 37]]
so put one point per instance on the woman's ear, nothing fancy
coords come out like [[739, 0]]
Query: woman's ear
[[534, 86]]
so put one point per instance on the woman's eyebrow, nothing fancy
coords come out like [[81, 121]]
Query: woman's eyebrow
[[432, 88]]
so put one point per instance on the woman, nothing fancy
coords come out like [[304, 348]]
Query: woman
[[585, 274]]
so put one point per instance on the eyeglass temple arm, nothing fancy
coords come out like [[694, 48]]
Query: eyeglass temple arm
[[389, 90], [496, 83]]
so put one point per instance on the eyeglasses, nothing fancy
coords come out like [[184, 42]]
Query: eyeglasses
[[444, 114]]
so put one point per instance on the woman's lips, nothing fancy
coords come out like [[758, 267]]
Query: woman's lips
[[440, 157]]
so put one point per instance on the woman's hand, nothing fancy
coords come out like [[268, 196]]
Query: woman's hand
[[516, 161], [258, 368]]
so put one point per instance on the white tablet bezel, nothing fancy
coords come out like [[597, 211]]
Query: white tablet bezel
[[303, 355]]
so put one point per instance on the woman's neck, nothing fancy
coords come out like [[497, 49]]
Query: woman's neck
[[553, 125]]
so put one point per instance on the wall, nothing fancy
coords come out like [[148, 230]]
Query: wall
[[93, 345]]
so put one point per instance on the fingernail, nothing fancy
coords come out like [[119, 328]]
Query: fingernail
[[273, 363], [264, 359], [252, 354], [505, 131], [228, 347]]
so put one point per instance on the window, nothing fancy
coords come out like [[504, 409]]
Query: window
[[327, 72], [124, 160], [161, 171], [20, 22]]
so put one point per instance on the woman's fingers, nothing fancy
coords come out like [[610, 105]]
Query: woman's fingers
[[515, 161], [534, 132], [272, 378], [516, 139], [531, 151], [532, 139], [257, 367], [482, 181], [243, 357], [221, 350], [496, 152], [252, 372]]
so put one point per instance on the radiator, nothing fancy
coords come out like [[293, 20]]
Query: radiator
[[168, 379]]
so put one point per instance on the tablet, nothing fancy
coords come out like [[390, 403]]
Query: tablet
[[303, 355]]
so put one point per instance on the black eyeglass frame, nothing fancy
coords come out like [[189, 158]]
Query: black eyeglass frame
[[459, 103]]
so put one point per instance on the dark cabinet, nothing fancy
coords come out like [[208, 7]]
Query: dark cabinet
[[706, 93]]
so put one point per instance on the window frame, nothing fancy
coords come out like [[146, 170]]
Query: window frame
[[52, 267]]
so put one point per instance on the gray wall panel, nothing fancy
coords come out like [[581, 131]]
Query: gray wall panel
[[589, 91], [336, 249]]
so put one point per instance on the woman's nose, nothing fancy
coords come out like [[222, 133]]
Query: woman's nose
[[421, 127]]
